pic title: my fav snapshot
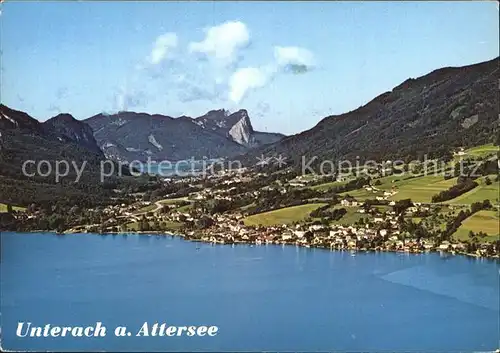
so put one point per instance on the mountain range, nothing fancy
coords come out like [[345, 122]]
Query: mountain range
[[23, 138], [123, 136], [21, 135], [137, 136], [431, 115]]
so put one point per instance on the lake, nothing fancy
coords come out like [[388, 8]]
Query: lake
[[279, 298]]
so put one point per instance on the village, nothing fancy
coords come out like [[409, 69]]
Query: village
[[375, 225]]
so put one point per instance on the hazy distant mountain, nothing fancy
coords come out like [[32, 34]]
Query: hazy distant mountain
[[137, 136], [447, 108]]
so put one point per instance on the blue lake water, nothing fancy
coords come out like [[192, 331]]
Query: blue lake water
[[261, 297]]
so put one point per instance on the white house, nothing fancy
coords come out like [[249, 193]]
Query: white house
[[349, 201], [299, 233]]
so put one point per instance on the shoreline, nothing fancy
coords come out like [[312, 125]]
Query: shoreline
[[256, 243]]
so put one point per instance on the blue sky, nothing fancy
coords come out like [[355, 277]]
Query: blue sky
[[288, 63]]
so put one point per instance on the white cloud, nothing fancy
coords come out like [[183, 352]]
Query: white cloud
[[222, 42], [162, 47], [125, 98], [218, 79], [246, 79], [286, 59], [295, 59]]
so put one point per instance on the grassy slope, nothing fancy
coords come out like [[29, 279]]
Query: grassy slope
[[386, 184], [282, 216], [350, 217], [173, 201], [3, 208], [145, 209], [170, 202], [326, 186], [483, 150], [480, 193], [422, 189], [419, 189], [482, 221]]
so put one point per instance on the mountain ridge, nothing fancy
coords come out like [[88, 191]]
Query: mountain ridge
[[446, 108], [65, 126], [218, 133]]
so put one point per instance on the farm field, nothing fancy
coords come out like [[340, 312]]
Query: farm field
[[486, 221], [483, 150], [145, 209], [350, 217], [185, 208], [326, 186], [421, 189], [285, 215], [480, 193], [418, 189], [173, 201], [362, 194]]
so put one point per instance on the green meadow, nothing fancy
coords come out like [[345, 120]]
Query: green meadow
[[285, 215], [418, 189], [421, 189], [483, 150], [480, 193], [326, 186], [486, 221], [173, 201], [3, 208], [350, 217], [145, 209]]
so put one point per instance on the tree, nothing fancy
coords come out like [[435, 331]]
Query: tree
[[9, 208], [401, 206], [309, 236], [204, 222], [146, 196], [156, 195]]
